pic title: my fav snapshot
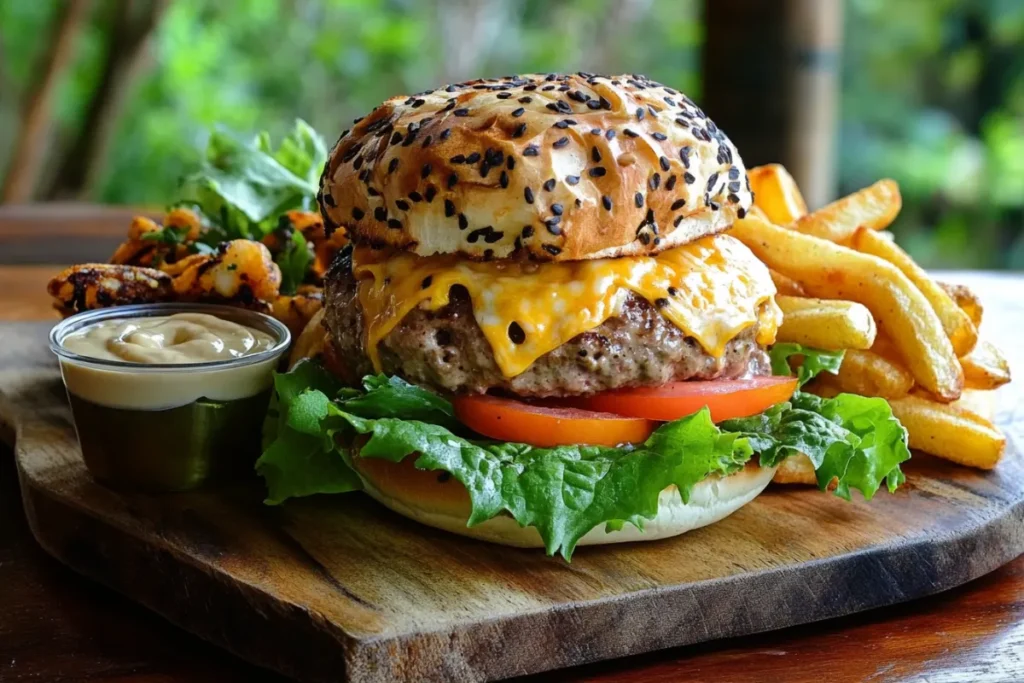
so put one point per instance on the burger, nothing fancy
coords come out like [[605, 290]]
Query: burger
[[542, 333]]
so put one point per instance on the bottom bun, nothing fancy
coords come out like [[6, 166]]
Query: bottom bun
[[436, 499]]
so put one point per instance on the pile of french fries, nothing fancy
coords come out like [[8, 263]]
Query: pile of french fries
[[845, 285]]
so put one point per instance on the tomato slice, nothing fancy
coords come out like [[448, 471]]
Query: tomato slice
[[726, 398], [508, 420]]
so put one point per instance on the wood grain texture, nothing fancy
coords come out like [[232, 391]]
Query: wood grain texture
[[342, 587], [67, 232]]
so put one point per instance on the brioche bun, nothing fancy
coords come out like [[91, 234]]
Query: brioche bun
[[437, 500], [555, 167]]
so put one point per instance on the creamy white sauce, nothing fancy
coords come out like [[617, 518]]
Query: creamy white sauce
[[171, 339], [167, 340]]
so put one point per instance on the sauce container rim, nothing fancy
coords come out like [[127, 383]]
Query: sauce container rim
[[255, 319]]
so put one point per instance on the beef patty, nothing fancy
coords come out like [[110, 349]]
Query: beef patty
[[446, 350]]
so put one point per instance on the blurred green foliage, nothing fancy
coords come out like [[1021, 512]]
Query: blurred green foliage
[[933, 90]]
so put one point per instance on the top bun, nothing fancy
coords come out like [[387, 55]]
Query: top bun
[[556, 167]]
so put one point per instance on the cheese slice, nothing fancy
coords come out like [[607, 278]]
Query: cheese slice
[[711, 289]]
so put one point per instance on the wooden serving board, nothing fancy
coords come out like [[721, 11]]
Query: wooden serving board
[[339, 588]]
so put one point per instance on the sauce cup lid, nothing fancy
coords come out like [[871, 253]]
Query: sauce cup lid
[[242, 316]]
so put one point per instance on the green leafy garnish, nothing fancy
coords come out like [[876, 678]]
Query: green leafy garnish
[[815, 361], [563, 492], [168, 234]]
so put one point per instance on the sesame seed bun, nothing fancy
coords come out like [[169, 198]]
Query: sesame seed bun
[[557, 167], [437, 500]]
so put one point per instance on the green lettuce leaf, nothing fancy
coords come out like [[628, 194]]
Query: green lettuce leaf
[[815, 361], [563, 492]]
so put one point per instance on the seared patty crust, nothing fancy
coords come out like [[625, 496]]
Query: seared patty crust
[[446, 350]]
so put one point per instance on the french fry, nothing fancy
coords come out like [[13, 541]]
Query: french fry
[[777, 194], [786, 285], [958, 326], [985, 368], [873, 207], [757, 212], [831, 271], [978, 402], [869, 374], [966, 299], [950, 432], [825, 323]]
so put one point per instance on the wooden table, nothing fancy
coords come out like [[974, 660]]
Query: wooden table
[[55, 625]]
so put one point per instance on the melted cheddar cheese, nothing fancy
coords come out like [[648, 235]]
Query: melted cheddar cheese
[[711, 289]]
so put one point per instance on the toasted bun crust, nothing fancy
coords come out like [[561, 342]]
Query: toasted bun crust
[[559, 167], [433, 499]]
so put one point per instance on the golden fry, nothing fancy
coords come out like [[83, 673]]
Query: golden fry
[[786, 285], [776, 194], [311, 341], [873, 207], [831, 271], [950, 432], [826, 324], [869, 374], [985, 368], [966, 299], [958, 326]]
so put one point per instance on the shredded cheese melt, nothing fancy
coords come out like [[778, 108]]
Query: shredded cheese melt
[[711, 289]]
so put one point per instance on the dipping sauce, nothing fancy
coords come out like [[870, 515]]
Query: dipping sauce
[[169, 397], [167, 339]]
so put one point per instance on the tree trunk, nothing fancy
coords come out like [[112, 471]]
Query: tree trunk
[[771, 81], [127, 57], [30, 146]]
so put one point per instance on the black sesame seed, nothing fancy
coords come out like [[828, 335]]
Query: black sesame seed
[[579, 202], [630, 133], [417, 103], [741, 212], [516, 333], [655, 181], [430, 193], [463, 223], [524, 100], [519, 112], [552, 225], [563, 124], [473, 158], [661, 137], [560, 142], [734, 173], [609, 134], [425, 171], [677, 221], [606, 202], [358, 163], [572, 179], [427, 281], [664, 163], [597, 172], [394, 224], [661, 302], [556, 209], [519, 131], [670, 183], [644, 237], [712, 179], [445, 134], [672, 291], [457, 159], [402, 204], [639, 113], [639, 199], [734, 186], [595, 154], [503, 179], [358, 213], [688, 177], [449, 208], [715, 206], [593, 104], [551, 105], [605, 104], [678, 204], [427, 140], [734, 199], [528, 195], [595, 131], [392, 165], [380, 213], [527, 231], [415, 196], [504, 95], [396, 138], [549, 184], [462, 111], [452, 179], [552, 249], [531, 151], [372, 191]]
